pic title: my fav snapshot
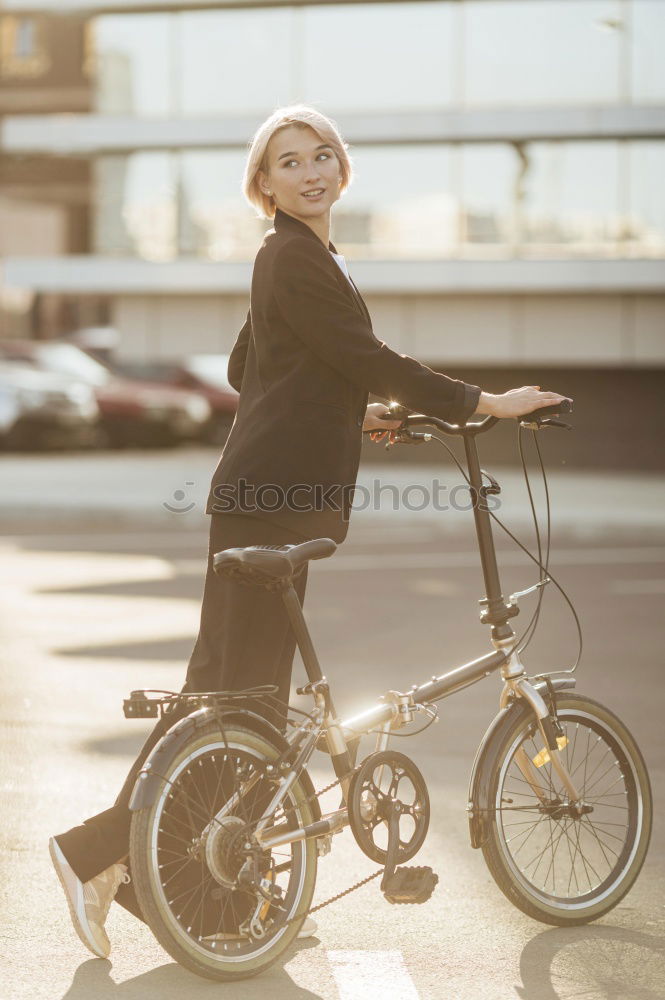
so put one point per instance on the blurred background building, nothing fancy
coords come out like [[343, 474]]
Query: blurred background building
[[507, 216]]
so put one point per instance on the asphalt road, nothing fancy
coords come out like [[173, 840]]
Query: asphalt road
[[90, 614]]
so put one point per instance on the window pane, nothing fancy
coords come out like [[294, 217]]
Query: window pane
[[235, 61], [572, 199], [488, 174], [377, 56], [133, 64], [647, 37], [135, 205], [399, 204], [646, 230], [553, 52], [215, 220]]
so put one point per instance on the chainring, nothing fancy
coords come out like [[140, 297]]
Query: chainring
[[386, 780]]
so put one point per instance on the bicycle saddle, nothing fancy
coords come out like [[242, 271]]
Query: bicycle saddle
[[271, 566]]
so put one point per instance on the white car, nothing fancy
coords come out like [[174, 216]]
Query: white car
[[39, 409]]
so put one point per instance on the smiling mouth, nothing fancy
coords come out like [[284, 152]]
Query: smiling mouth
[[314, 193]]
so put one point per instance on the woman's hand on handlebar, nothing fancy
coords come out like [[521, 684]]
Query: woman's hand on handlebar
[[516, 402], [373, 421]]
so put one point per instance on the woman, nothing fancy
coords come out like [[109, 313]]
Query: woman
[[304, 364]]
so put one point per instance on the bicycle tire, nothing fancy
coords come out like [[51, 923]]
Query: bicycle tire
[[615, 835], [149, 855]]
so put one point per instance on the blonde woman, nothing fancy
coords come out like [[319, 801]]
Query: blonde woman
[[304, 363]]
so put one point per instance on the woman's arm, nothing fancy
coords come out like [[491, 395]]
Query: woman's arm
[[238, 355], [324, 318], [319, 312], [515, 402]]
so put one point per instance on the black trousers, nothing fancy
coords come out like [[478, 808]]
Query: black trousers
[[245, 638]]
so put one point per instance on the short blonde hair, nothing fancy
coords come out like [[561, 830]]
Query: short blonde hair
[[300, 115]]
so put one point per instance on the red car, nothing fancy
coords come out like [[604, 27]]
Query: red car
[[132, 412], [205, 373]]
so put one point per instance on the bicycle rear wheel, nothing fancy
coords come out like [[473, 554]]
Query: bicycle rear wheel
[[557, 864], [191, 898]]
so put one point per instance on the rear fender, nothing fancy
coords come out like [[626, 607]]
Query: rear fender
[[151, 780]]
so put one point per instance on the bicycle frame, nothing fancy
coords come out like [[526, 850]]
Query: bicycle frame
[[396, 709]]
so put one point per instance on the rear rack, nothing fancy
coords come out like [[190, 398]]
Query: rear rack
[[154, 703]]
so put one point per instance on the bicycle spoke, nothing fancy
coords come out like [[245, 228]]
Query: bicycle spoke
[[175, 836], [535, 827], [175, 875], [539, 856], [587, 777], [605, 833], [620, 777], [573, 873], [589, 788], [552, 867], [602, 845], [585, 859]]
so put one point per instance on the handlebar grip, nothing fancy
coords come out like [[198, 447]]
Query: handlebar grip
[[565, 406]]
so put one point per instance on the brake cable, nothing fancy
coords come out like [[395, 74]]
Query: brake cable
[[537, 560], [533, 624]]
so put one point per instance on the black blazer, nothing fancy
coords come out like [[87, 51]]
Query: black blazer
[[304, 364]]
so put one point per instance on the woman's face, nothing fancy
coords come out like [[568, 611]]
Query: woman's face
[[300, 162]]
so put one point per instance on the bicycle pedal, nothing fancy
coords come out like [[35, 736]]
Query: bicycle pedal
[[410, 885]]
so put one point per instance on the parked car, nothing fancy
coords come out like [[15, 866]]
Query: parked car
[[41, 410], [132, 412], [206, 373]]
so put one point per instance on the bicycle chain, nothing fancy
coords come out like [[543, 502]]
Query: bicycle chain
[[340, 895], [316, 795], [352, 888]]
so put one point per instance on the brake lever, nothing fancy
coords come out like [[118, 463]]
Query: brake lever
[[536, 425], [552, 422], [405, 436]]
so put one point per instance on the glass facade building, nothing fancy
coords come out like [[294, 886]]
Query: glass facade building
[[481, 200], [508, 161]]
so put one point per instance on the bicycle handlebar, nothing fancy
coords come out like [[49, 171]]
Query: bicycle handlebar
[[397, 411], [478, 427]]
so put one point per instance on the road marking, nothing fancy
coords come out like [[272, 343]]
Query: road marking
[[371, 975], [638, 586]]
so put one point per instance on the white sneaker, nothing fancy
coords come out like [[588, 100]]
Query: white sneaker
[[89, 902], [309, 928]]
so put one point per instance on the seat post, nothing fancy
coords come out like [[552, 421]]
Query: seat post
[[303, 638]]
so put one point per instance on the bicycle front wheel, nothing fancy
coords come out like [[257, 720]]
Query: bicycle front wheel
[[557, 862], [191, 896]]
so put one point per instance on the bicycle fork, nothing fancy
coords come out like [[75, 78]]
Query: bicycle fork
[[520, 687]]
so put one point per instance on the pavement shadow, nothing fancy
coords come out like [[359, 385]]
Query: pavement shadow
[[598, 963], [92, 979], [140, 649]]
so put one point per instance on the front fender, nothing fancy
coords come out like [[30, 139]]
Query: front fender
[[150, 779], [478, 802]]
